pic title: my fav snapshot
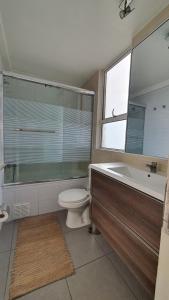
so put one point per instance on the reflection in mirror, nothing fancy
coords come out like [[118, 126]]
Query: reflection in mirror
[[148, 109]]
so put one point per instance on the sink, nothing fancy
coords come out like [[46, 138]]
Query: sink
[[149, 183], [126, 171]]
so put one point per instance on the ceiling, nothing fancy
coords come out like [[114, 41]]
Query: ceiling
[[67, 40]]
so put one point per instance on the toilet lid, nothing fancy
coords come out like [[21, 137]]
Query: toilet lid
[[73, 195]]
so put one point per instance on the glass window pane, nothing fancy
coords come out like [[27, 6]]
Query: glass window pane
[[114, 135], [117, 87]]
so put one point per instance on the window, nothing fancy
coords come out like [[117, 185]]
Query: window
[[115, 105]]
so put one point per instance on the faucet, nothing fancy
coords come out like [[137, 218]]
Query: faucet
[[153, 167]]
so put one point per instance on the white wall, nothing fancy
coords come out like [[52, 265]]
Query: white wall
[[162, 286], [156, 128], [40, 197]]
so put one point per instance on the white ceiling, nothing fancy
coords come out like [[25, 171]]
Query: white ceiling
[[67, 40]]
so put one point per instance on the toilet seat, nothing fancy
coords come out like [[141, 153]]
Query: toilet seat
[[73, 196]]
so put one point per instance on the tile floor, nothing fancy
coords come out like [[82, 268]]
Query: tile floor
[[99, 275]]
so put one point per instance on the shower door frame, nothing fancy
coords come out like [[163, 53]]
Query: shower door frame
[[1, 128], [46, 83]]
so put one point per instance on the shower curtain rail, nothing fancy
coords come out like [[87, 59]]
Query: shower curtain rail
[[34, 130], [48, 83]]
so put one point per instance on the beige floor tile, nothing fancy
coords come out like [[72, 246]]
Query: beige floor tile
[[83, 247], [128, 277], [55, 291], [98, 280], [4, 265], [9, 274], [103, 244], [6, 235]]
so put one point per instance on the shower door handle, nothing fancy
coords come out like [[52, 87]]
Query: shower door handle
[[35, 130]]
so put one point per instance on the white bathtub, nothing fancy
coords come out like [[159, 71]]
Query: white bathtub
[[37, 198]]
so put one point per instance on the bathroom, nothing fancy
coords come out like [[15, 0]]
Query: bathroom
[[84, 150]]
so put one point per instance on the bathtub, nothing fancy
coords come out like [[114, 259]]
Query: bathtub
[[37, 198]]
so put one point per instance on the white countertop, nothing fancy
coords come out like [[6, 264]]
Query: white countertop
[[149, 183]]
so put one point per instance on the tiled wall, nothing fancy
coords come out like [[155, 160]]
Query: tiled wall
[[156, 125], [135, 129], [42, 197]]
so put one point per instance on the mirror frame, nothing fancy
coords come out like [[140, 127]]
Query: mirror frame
[[132, 50]]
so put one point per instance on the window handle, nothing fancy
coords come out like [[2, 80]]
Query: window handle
[[113, 114]]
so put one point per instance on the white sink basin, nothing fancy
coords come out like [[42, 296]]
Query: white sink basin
[[149, 183]]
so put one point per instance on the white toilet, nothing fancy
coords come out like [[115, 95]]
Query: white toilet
[[77, 203]]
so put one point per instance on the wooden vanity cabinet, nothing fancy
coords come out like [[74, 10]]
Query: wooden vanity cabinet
[[131, 223]]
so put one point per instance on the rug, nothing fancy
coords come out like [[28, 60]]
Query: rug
[[41, 255]]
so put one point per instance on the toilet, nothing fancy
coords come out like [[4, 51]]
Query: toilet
[[76, 201]]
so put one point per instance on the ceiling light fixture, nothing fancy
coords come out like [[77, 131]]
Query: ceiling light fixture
[[125, 8]]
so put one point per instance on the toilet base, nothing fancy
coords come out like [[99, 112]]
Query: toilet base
[[78, 217]]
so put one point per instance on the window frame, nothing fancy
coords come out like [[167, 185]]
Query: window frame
[[120, 117]]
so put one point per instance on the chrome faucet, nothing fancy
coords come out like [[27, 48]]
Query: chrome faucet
[[152, 167]]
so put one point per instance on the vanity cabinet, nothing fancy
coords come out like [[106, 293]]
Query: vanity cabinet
[[131, 222]]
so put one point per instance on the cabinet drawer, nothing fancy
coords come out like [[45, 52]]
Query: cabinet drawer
[[140, 212], [140, 258]]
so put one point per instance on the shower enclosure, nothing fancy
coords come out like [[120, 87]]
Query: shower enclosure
[[47, 131]]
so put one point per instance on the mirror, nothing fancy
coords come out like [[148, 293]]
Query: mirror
[[148, 108]]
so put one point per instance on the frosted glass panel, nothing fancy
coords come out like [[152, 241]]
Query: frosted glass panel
[[113, 135], [47, 132], [117, 87], [28, 146]]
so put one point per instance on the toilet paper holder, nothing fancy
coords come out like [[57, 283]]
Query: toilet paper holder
[[3, 213]]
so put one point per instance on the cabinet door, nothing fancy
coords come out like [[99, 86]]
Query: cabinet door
[[140, 212], [139, 258]]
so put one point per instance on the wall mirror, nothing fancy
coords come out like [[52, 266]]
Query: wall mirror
[[148, 108]]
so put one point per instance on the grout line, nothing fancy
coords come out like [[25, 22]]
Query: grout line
[[13, 232], [91, 261], [68, 289], [10, 260], [102, 248], [6, 292], [123, 279], [107, 255]]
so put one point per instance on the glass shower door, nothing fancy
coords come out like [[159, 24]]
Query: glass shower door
[[47, 132]]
